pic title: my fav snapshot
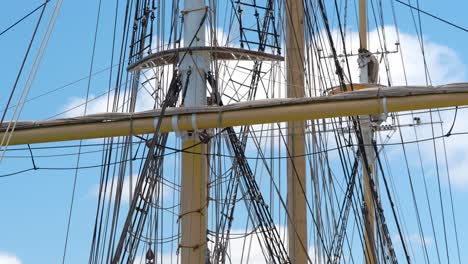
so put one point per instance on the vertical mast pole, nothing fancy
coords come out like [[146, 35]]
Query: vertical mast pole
[[193, 66], [297, 222], [367, 137], [363, 24]]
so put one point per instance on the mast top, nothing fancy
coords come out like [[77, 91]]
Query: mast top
[[363, 24]]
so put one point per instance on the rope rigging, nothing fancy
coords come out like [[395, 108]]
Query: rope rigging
[[244, 178], [246, 184], [25, 16]]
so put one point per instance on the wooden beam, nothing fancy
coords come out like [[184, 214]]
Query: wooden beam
[[259, 112]]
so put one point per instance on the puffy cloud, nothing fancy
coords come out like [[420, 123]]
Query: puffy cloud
[[444, 66], [443, 63], [75, 106], [242, 248], [127, 187], [414, 239], [8, 258]]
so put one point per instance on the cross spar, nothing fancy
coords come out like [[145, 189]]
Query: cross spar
[[395, 99], [390, 99]]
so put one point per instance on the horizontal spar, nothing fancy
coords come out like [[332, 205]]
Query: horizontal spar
[[368, 101]]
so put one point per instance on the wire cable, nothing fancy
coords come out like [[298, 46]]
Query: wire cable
[[24, 17], [81, 141], [23, 62], [433, 16]]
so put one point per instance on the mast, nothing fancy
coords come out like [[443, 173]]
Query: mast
[[296, 166], [193, 66], [367, 137]]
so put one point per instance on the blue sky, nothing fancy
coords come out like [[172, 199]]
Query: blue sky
[[34, 205]]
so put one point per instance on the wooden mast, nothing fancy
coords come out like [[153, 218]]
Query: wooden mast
[[296, 168], [363, 23], [367, 133], [193, 193]]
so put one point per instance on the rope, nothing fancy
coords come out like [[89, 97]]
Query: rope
[[24, 17], [32, 74]]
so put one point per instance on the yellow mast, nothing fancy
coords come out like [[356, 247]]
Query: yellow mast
[[193, 194], [367, 137], [296, 168], [193, 216], [363, 24]]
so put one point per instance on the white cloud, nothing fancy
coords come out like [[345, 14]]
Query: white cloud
[[127, 187], [456, 146], [414, 239], [75, 106], [444, 64], [8, 258], [241, 249], [249, 245], [244, 248]]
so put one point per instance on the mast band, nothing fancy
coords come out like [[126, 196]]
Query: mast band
[[384, 105], [155, 122], [194, 122], [175, 125]]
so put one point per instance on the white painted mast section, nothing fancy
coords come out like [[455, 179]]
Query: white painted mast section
[[367, 137], [194, 65], [296, 166]]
